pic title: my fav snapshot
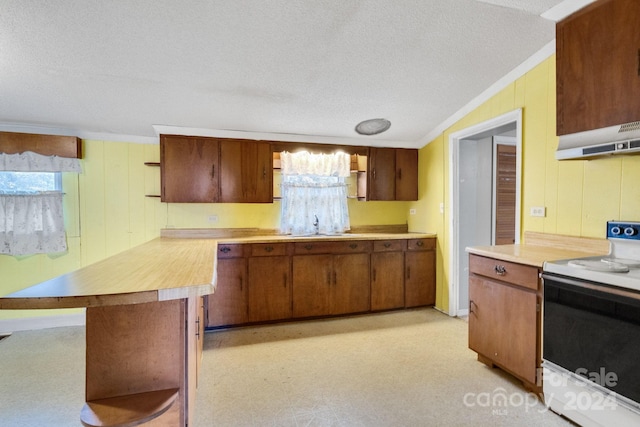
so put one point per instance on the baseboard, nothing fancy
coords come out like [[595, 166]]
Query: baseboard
[[41, 322], [462, 313]]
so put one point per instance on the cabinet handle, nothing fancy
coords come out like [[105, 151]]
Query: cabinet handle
[[387, 244], [225, 249], [308, 247], [353, 245], [264, 173], [420, 243], [213, 170], [374, 174], [198, 328], [471, 304], [500, 270], [269, 248]]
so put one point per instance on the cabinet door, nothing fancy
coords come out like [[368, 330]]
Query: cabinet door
[[246, 171], [503, 325], [484, 306], [269, 288], [597, 65], [228, 304], [188, 169], [312, 278], [387, 280], [350, 292], [382, 174], [420, 278], [406, 174]]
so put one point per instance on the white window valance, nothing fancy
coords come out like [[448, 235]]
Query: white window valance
[[32, 224], [33, 162], [305, 163]]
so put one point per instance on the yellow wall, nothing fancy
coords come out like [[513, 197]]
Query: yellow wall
[[580, 195], [106, 212]]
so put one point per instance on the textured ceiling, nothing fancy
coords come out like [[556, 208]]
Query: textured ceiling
[[312, 68]]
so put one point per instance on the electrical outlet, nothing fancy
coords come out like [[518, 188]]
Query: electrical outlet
[[212, 218], [412, 211], [540, 211]]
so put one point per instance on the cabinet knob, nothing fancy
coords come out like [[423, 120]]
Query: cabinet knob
[[269, 248], [500, 270], [308, 247], [420, 243], [225, 249], [387, 245], [353, 245]]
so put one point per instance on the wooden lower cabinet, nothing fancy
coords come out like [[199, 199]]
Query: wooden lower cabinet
[[420, 274], [269, 288], [228, 304], [504, 320], [266, 282], [387, 275], [327, 284]]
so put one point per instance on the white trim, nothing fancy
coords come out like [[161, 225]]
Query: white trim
[[516, 73], [291, 137], [42, 322], [454, 191]]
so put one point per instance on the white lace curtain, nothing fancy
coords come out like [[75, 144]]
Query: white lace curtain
[[314, 193], [32, 223]]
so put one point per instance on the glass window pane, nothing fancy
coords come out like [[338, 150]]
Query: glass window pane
[[29, 181]]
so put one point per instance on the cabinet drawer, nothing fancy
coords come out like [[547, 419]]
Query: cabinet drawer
[[333, 247], [514, 273], [268, 249], [421, 244], [389, 245], [230, 250]]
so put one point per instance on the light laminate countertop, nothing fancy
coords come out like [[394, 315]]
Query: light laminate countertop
[[161, 269], [541, 247], [279, 238]]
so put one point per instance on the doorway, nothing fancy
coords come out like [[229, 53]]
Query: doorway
[[484, 164]]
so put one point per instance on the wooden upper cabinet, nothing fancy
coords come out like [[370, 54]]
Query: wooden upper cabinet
[[246, 174], [211, 170], [393, 174], [406, 174], [189, 169], [382, 174], [598, 66]]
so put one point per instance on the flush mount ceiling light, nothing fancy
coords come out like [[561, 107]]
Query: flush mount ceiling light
[[373, 126]]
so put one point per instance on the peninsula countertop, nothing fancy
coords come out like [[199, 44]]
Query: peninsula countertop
[[161, 269]]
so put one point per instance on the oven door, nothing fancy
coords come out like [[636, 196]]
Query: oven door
[[593, 330]]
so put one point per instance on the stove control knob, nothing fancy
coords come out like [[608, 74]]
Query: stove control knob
[[616, 231], [630, 231]]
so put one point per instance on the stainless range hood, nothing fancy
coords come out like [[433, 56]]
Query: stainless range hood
[[621, 139]]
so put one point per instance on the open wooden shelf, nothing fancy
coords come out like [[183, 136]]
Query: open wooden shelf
[[128, 411]]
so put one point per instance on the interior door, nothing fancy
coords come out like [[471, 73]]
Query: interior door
[[505, 195]]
